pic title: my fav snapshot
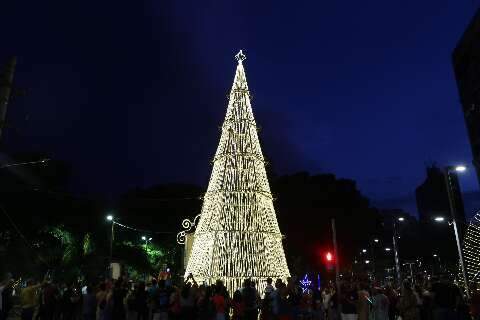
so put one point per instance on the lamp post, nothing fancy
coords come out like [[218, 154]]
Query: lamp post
[[146, 239], [447, 173], [395, 250], [112, 236]]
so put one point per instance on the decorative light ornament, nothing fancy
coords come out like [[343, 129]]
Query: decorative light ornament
[[305, 283], [237, 236], [188, 225]]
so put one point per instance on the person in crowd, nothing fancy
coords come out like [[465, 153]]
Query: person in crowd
[[238, 307], [6, 288], [175, 310], [49, 296], [349, 302], [392, 296], [205, 306], [250, 300], [380, 304], [152, 294], [445, 299], [89, 304], [141, 301], [187, 302], [101, 301], [269, 287], [408, 305], [162, 302], [220, 303], [219, 284], [364, 301], [118, 295], [284, 308], [326, 296], [69, 301], [28, 297]]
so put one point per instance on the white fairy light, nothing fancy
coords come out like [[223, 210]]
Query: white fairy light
[[237, 236]]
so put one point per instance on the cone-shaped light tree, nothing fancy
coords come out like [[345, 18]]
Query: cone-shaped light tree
[[237, 236]]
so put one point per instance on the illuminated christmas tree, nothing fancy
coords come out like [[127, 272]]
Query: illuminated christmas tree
[[471, 250], [237, 236]]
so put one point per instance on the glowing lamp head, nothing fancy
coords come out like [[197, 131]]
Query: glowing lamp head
[[367, 261], [110, 217], [149, 239], [144, 238], [329, 257], [435, 255], [376, 240], [439, 219], [401, 219], [387, 249], [460, 168], [364, 250]]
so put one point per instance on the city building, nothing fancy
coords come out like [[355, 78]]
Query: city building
[[466, 64]]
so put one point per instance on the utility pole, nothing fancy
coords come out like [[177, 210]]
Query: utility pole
[[6, 86], [397, 257], [447, 172], [337, 265]]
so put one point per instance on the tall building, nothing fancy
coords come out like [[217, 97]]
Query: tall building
[[237, 236], [466, 64]]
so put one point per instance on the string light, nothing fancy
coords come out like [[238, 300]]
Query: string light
[[237, 236]]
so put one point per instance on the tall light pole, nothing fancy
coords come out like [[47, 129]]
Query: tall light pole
[[112, 237], [337, 264], [146, 239], [447, 173], [395, 250]]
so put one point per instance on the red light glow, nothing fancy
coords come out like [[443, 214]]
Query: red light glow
[[329, 256]]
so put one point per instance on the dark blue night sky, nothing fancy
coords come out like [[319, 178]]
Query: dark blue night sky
[[132, 93]]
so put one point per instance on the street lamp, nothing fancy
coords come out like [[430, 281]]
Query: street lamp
[[112, 236], [387, 249], [439, 219], [395, 237], [447, 173], [364, 250], [144, 238], [375, 240]]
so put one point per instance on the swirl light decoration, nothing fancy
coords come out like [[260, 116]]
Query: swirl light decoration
[[238, 236], [188, 225], [471, 250]]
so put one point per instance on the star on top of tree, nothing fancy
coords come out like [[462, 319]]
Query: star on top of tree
[[240, 56]]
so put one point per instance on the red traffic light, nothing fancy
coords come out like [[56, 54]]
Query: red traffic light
[[329, 257]]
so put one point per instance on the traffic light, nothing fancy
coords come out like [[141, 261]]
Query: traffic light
[[329, 260], [329, 257]]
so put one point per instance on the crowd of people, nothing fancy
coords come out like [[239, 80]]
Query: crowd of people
[[162, 300]]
